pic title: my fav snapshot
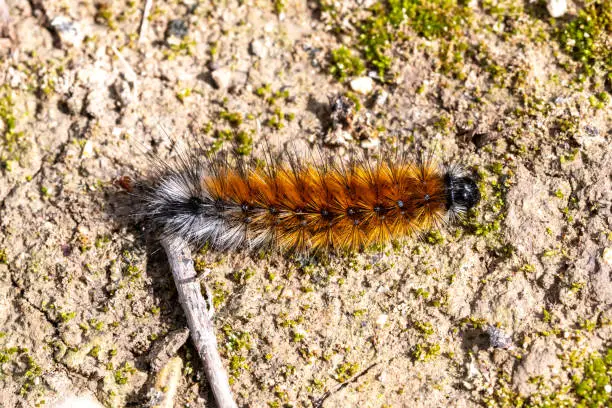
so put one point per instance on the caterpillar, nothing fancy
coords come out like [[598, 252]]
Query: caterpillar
[[298, 204]]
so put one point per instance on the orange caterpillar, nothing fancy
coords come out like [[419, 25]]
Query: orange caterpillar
[[298, 206]]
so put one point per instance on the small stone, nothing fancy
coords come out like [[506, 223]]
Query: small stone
[[68, 31], [259, 49], [166, 348], [497, 338], [222, 78], [381, 320], [607, 256], [87, 149], [177, 28], [382, 97], [123, 92], [556, 8], [362, 85], [342, 112], [95, 104], [370, 143], [608, 388], [337, 137]]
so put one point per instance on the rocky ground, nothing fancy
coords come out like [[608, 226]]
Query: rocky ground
[[509, 306]]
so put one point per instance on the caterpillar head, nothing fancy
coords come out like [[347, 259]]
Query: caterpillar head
[[461, 192]]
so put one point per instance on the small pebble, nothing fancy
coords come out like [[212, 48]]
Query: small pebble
[[68, 31], [222, 78], [607, 256], [362, 85], [87, 149], [370, 143], [177, 28], [338, 137], [497, 338], [95, 104], [556, 8], [259, 49], [381, 320], [382, 97]]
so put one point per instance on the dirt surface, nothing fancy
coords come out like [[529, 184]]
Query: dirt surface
[[510, 305]]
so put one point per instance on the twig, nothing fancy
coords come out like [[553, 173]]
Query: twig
[[200, 326], [144, 23]]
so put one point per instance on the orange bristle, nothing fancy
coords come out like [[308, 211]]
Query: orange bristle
[[303, 205], [343, 207]]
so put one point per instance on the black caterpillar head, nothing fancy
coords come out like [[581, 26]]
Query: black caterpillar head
[[461, 192]]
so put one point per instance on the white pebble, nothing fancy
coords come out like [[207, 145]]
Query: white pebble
[[68, 31], [556, 8], [381, 320], [87, 149], [370, 143], [259, 49], [222, 78], [381, 98], [607, 256], [362, 85]]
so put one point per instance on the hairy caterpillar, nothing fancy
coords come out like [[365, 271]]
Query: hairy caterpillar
[[303, 205]]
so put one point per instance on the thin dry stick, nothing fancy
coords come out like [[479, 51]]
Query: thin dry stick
[[200, 325], [144, 23]]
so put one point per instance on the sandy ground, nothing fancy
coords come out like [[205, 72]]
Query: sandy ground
[[84, 296]]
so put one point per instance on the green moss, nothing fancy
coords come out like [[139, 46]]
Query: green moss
[[385, 26], [588, 325], [599, 100], [263, 90], [590, 387], [183, 94], [123, 374], [359, 312], [95, 351], [345, 64], [425, 351], [279, 6], [585, 38], [235, 340], [242, 276], [233, 118], [104, 15], [528, 268], [219, 294], [3, 256], [424, 328], [434, 238], [345, 371], [590, 375], [67, 316], [244, 143], [422, 293], [185, 47], [33, 372], [11, 140]]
